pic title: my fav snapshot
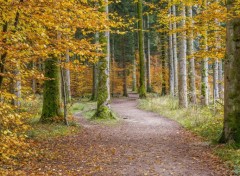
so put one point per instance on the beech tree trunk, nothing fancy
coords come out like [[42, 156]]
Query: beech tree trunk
[[103, 99], [95, 75], [125, 93], [68, 79], [183, 99], [190, 49], [134, 74], [51, 111], [175, 56], [171, 63], [204, 82], [142, 89], [149, 87], [220, 79], [231, 130]]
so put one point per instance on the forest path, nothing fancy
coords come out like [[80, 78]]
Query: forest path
[[143, 143]]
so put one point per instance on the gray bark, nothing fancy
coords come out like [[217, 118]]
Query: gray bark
[[190, 50], [220, 79], [183, 100], [149, 89], [171, 63], [68, 79], [204, 82], [175, 57]]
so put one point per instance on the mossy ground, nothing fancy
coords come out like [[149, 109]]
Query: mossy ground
[[87, 109], [204, 121]]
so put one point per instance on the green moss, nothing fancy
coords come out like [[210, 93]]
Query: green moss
[[51, 111]]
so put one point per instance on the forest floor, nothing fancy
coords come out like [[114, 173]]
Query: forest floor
[[142, 143]]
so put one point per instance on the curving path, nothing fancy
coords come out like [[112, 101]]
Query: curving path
[[144, 143]]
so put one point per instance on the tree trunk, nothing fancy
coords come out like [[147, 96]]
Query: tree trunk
[[190, 49], [134, 74], [103, 99], [231, 130], [204, 82], [171, 63], [215, 64], [175, 57], [125, 93], [142, 89], [51, 111], [3, 56], [164, 68], [68, 79], [95, 75], [149, 87], [183, 99], [220, 79], [17, 85]]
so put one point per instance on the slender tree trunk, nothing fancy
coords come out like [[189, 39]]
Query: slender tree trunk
[[171, 63], [215, 80], [64, 93], [17, 85], [204, 82], [220, 79], [192, 72], [164, 68], [68, 79], [113, 66], [215, 65], [231, 130], [125, 93], [142, 89], [164, 64], [3, 56], [149, 88], [51, 111], [134, 74], [103, 99], [34, 82], [95, 75], [183, 99], [175, 57]]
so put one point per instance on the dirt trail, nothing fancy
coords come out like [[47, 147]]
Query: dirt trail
[[144, 143]]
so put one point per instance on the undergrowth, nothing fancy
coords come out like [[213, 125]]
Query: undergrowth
[[204, 121], [87, 109]]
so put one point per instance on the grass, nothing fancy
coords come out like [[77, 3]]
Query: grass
[[46, 131], [87, 109], [203, 121]]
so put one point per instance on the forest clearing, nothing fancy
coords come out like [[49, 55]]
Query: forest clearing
[[128, 87]]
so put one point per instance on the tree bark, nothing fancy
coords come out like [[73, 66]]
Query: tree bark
[[142, 89], [95, 75], [204, 82], [149, 87], [125, 93], [103, 99], [231, 130], [183, 99], [171, 62], [51, 111], [220, 79], [190, 49], [68, 79], [175, 56]]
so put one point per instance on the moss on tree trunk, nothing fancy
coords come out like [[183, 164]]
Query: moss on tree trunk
[[103, 98], [142, 89], [231, 130], [51, 111]]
